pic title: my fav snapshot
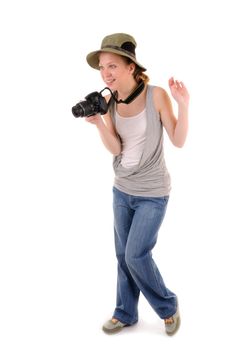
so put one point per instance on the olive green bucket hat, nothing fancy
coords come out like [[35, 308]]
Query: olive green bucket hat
[[119, 43]]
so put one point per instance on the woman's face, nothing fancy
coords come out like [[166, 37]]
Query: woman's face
[[115, 71]]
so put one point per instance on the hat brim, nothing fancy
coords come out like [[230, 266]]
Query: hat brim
[[93, 57]]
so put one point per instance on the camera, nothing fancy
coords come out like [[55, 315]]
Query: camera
[[94, 103]]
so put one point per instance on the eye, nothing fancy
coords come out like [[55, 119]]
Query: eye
[[112, 66]]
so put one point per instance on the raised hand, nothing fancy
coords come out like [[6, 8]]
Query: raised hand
[[179, 91]]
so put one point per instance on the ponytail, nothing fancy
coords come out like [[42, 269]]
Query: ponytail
[[140, 75]]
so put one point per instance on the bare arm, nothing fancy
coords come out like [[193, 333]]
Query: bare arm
[[177, 128], [107, 132]]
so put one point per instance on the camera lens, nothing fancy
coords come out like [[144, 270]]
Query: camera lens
[[78, 110], [83, 109]]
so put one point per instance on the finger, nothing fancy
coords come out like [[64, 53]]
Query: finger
[[183, 86], [171, 81], [180, 85], [89, 119]]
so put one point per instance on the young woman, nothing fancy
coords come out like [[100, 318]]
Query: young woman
[[132, 131]]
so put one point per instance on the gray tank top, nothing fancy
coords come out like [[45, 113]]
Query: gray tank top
[[150, 177]]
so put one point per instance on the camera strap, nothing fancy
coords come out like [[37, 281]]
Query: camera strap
[[136, 92]]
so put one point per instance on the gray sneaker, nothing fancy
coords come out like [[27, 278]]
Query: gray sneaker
[[111, 327], [172, 327]]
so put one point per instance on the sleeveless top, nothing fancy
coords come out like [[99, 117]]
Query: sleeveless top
[[149, 177], [132, 132]]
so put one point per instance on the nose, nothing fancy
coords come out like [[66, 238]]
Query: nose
[[106, 73]]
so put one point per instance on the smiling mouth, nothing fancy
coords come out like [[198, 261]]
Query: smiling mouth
[[110, 81]]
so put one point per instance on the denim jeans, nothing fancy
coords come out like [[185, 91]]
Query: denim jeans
[[136, 224]]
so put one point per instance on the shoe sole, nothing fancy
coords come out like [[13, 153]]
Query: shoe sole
[[113, 330]]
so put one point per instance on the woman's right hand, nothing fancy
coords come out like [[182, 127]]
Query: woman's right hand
[[94, 119]]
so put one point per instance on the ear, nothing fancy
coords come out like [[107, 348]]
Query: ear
[[131, 68]]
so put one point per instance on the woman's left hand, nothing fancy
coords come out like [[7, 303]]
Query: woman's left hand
[[179, 91]]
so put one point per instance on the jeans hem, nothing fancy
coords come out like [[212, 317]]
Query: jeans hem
[[120, 316]]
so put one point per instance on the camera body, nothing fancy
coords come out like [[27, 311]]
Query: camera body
[[94, 103]]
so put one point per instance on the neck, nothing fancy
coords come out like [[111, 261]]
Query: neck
[[124, 93], [133, 94]]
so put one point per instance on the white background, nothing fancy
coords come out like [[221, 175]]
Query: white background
[[57, 262]]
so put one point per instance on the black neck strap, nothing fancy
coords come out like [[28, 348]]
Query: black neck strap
[[135, 93]]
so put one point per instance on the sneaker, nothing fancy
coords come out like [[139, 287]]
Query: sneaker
[[113, 326], [172, 323]]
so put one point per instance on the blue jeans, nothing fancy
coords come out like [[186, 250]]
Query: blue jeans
[[136, 224]]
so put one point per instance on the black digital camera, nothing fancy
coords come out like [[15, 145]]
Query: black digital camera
[[94, 103]]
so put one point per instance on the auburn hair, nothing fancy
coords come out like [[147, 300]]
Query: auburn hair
[[138, 72]]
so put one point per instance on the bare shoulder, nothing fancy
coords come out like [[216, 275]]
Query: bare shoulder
[[160, 97], [163, 105]]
